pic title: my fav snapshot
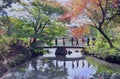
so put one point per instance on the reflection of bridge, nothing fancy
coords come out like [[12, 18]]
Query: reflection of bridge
[[62, 58], [75, 61]]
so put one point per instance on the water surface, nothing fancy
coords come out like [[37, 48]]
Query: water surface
[[73, 66]]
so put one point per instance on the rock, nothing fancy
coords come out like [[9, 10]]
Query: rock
[[69, 52], [61, 51]]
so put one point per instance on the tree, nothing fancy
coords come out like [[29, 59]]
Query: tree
[[100, 12], [50, 8], [38, 24], [4, 18], [5, 24]]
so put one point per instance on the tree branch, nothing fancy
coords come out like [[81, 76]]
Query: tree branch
[[110, 18], [103, 11], [44, 25], [93, 14], [95, 25]]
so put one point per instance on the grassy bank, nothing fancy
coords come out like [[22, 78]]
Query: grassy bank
[[102, 50]]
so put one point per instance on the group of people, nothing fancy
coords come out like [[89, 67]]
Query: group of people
[[56, 41], [75, 41]]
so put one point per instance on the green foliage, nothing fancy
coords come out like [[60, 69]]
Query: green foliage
[[56, 29], [23, 70], [25, 40], [38, 24], [20, 29], [5, 39], [101, 48], [49, 7], [5, 24], [93, 31], [19, 58], [39, 51], [4, 42]]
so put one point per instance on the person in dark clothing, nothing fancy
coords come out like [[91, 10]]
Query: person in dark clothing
[[82, 40], [88, 40], [72, 40], [77, 43], [63, 41], [56, 41]]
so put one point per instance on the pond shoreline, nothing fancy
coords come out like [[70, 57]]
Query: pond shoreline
[[11, 65], [109, 58], [17, 55], [6, 68], [93, 58], [110, 64]]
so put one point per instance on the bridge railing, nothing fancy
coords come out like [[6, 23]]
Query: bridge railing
[[67, 42]]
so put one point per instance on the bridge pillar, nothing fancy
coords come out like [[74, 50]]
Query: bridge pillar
[[61, 51]]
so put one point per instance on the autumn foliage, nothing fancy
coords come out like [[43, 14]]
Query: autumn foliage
[[76, 7], [78, 32]]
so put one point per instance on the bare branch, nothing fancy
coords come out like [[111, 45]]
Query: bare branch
[[92, 14], [110, 18], [95, 25], [103, 15]]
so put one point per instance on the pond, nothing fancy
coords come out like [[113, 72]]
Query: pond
[[74, 66]]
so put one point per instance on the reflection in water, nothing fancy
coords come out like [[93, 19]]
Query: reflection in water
[[77, 63], [83, 64], [34, 64], [72, 64], [88, 64], [50, 67], [64, 64]]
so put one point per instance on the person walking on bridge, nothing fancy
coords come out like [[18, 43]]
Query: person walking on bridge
[[77, 42], [88, 40], [72, 41], [83, 40], [56, 41], [63, 41]]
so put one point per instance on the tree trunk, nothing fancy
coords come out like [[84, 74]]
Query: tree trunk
[[107, 38], [33, 44]]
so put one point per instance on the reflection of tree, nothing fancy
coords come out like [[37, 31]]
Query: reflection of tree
[[54, 73], [77, 64], [72, 64], [83, 64], [34, 64], [50, 68], [45, 69]]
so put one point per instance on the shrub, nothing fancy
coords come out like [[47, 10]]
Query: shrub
[[19, 58]]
